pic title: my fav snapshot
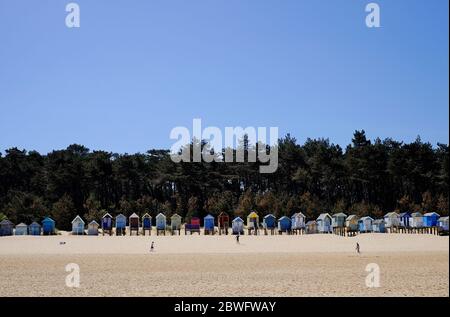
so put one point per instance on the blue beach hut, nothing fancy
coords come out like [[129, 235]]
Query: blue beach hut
[[21, 229], [298, 221], [208, 223], [160, 222], [121, 224], [107, 224], [430, 219], [237, 226], [378, 226], [365, 224], [404, 219], [324, 223], [284, 224], [443, 224], [147, 223], [34, 229], [77, 226], [6, 228], [48, 226], [269, 221]]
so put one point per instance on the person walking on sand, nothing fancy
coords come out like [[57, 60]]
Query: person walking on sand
[[152, 247], [357, 248], [237, 238]]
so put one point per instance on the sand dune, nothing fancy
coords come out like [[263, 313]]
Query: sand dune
[[314, 265]]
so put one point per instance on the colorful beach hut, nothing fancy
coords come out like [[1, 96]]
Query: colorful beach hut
[[269, 223], [147, 224], [365, 224], [93, 228], [298, 221], [338, 220], [351, 222], [6, 228], [284, 225], [311, 227], [443, 225], [48, 226], [77, 226], [133, 223], [175, 223], [237, 226], [34, 229], [193, 226], [161, 224], [430, 219], [378, 226], [416, 220], [121, 225], [223, 223], [208, 223], [107, 224], [21, 229], [253, 222], [404, 218], [392, 219], [324, 223]]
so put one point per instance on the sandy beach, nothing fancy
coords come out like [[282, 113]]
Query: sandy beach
[[311, 265]]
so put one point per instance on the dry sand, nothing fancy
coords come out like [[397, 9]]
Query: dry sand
[[312, 265]]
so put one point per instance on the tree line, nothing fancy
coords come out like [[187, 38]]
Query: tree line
[[366, 178]]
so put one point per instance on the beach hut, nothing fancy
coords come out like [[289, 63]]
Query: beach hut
[[93, 228], [392, 220], [193, 226], [311, 227], [404, 218], [77, 226], [416, 220], [324, 223], [175, 223], [237, 226], [34, 229], [48, 226], [133, 222], [21, 229], [223, 222], [365, 224], [6, 228], [298, 221], [253, 222], [147, 224], [269, 223], [351, 223], [121, 225], [284, 225], [443, 225], [160, 224], [338, 220], [378, 226], [107, 224], [208, 223], [430, 219]]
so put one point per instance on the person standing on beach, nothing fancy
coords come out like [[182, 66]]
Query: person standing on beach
[[357, 247], [237, 238], [152, 246]]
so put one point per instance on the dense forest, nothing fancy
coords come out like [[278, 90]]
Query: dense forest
[[366, 178]]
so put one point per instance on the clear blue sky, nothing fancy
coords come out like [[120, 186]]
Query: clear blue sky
[[136, 69]]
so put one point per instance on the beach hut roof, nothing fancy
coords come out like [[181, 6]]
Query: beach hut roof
[[107, 215], [34, 224], [93, 222], [21, 225], [6, 222], [405, 214], [323, 216], [77, 218], [209, 216], [134, 215], [351, 217], [160, 215], [416, 214], [378, 221], [146, 215], [284, 217], [238, 219], [269, 216], [253, 215], [366, 217], [428, 214], [46, 219], [177, 216], [120, 216], [443, 218], [339, 214], [311, 222], [391, 214]]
